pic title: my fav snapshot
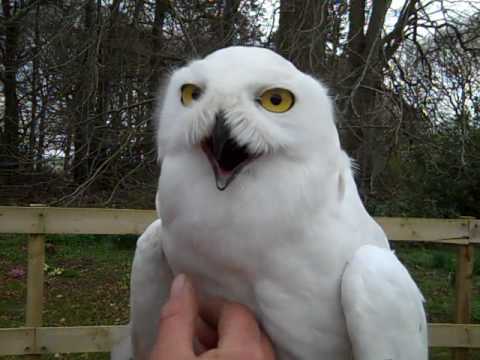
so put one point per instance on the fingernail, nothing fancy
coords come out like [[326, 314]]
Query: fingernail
[[178, 286]]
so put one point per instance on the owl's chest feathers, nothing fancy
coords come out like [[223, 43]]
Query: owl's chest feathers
[[255, 229], [234, 238], [267, 245], [229, 247]]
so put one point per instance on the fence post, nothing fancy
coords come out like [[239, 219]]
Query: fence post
[[36, 261], [463, 294]]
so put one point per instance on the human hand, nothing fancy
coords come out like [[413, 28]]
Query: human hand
[[224, 330]]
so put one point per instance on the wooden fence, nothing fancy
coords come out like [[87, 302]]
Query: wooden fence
[[33, 339]]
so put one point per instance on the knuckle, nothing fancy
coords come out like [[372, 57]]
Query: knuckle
[[170, 312]]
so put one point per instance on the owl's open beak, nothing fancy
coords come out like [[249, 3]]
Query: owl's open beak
[[225, 155]]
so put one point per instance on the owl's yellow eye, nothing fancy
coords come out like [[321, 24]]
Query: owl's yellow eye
[[277, 100], [190, 93]]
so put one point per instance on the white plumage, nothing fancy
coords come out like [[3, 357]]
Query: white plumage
[[259, 206]]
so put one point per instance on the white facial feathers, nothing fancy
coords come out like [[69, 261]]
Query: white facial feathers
[[231, 80]]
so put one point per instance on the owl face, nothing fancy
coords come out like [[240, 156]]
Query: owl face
[[242, 103]]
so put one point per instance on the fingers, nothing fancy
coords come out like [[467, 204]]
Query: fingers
[[206, 334], [227, 328], [238, 331], [266, 348], [237, 327], [177, 322], [236, 324]]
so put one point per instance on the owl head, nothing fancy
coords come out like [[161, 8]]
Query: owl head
[[242, 104]]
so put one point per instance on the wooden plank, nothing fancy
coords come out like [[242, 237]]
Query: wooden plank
[[36, 262], [449, 231], [454, 335], [19, 341], [80, 339], [463, 284], [123, 221], [49, 220], [43, 340], [463, 293], [475, 231]]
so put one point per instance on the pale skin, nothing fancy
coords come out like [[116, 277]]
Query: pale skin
[[214, 329]]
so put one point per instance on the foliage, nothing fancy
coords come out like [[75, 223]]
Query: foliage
[[53, 271], [79, 78], [438, 177]]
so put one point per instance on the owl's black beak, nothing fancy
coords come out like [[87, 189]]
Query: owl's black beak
[[225, 155]]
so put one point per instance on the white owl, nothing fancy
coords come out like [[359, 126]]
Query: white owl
[[258, 205]]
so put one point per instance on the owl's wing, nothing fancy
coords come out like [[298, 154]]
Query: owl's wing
[[383, 308], [149, 287]]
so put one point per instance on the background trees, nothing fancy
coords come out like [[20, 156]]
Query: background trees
[[78, 79]]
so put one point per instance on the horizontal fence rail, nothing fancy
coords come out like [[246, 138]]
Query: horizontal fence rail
[[45, 220], [40, 221], [83, 339], [46, 340]]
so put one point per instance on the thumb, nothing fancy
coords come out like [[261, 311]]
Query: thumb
[[177, 322]]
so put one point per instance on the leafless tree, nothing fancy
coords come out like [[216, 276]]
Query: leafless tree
[[79, 80]]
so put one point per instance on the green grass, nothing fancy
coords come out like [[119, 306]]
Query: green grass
[[433, 268], [87, 282], [89, 287]]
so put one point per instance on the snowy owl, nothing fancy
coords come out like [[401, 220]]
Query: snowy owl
[[258, 205]]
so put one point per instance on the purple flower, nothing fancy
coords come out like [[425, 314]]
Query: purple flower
[[16, 273]]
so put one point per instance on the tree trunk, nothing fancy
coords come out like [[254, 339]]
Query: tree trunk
[[156, 63], [228, 21], [34, 95], [302, 34], [355, 69], [102, 141], [83, 101], [364, 65], [9, 154], [157, 67]]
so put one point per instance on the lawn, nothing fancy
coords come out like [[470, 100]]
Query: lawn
[[87, 281]]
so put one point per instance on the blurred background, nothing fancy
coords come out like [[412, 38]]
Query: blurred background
[[78, 81]]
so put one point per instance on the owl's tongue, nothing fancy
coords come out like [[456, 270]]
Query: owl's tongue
[[226, 156]]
